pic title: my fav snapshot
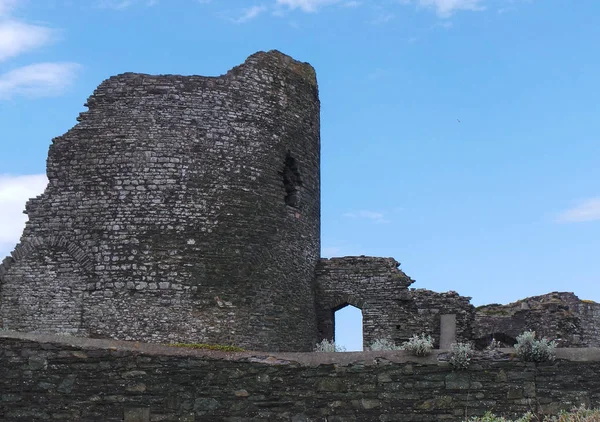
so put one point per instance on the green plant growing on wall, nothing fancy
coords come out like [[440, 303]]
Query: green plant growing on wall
[[460, 359], [384, 344], [531, 349], [580, 414], [418, 345], [490, 417], [327, 346]]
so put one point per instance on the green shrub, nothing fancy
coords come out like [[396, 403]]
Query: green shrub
[[328, 347], [580, 414], [460, 358], [490, 417], [384, 344], [418, 345], [530, 349]]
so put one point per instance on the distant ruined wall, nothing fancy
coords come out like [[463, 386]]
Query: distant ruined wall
[[69, 379], [427, 307], [390, 310], [559, 316], [197, 201]]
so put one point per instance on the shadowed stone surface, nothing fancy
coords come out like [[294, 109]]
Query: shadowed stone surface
[[195, 199], [187, 209], [71, 379], [559, 316]]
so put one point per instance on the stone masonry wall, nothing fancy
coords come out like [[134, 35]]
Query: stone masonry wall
[[73, 379], [426, 308], [188, 209], [390, 310], [559, 316], [374, 285]]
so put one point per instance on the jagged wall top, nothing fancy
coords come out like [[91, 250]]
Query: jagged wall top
[[197, 199], [129, 84]]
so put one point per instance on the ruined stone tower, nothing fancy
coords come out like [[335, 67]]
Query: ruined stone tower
[[179, 209]]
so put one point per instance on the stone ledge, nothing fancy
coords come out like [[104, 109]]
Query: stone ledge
[[370, 358]]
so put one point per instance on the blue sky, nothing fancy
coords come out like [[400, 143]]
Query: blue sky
[[459, 136]]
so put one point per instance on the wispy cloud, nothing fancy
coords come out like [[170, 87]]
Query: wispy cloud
[[18, 37], [37, 80], [382, 18], [376, 216], [7, 6], [307, 5], [124, 4], [249, 14], [588, 210], [14, 192], [446, 8]]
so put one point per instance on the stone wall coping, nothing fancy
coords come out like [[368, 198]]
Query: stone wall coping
[[368, 358]]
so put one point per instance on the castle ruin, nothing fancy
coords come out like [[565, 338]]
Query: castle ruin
[[187, 209]]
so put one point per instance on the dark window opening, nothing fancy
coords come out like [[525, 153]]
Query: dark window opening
[[348, 328], [495, 340], [291, 181]]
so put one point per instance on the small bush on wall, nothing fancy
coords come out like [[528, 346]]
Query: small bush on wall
[[421, 345], [530, 349], [384, 344], [327, 346], [460, 358], [580, 414]]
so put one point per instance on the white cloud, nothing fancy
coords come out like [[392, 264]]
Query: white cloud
[[249, 14], [306, 5], [382, 18], [37, 80], [375, 216], [124, 4], [6, 6], [14, 192], [445, 8], [17, 37], [41, 79], [588, 210]]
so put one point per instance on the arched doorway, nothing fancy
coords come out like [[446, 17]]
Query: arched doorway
[[348, 327]]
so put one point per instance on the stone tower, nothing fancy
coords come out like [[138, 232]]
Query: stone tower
[[179, 208]]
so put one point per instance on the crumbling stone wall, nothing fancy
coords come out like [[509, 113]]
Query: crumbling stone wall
[[69, 379], [197, 202], [187, 209], [559, 316], [390, 310], [426, 308]]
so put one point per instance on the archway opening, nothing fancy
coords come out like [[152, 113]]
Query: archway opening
[[348, 327]]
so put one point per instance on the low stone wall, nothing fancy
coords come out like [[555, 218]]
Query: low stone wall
[[45, 377]]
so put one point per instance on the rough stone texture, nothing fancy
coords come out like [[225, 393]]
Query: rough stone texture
[[68, 379], [559, 316], [390, 310], [426, 308], [188, 209]]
